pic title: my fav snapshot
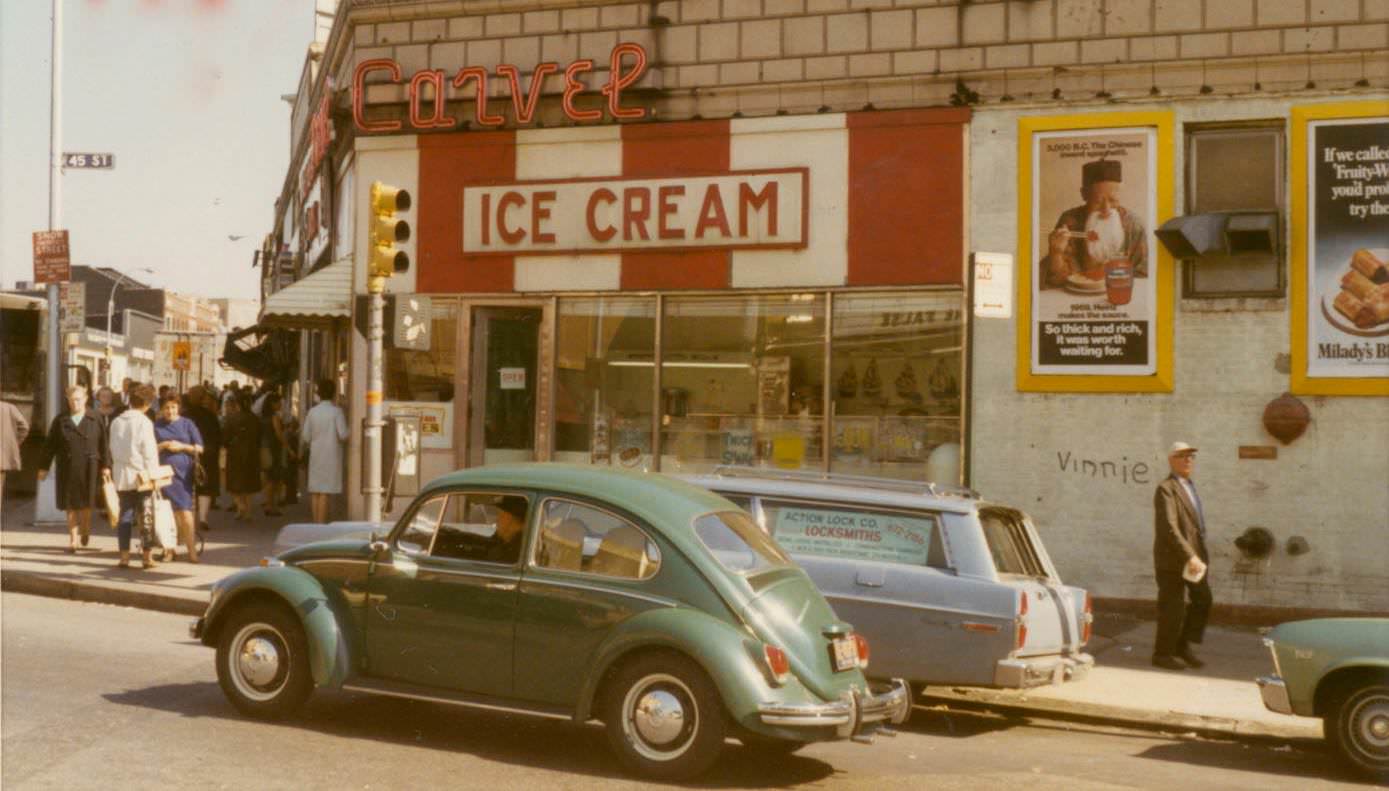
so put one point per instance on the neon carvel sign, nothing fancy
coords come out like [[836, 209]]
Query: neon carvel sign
[[430, 113]]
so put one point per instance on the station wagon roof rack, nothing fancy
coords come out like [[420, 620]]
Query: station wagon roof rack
[[864, 481]]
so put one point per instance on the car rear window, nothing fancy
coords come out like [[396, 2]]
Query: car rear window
[[737, 543], [856, 533], [1010, 545]]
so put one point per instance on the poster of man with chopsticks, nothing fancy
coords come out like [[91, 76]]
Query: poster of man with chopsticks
[[1092, 214]]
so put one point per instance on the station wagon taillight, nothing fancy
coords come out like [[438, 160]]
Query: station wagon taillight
[[1021, 621], [861, 643], [777, 664], [1087, 621]]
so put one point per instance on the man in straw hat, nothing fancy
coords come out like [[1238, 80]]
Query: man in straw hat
[[1179, 562], [1097, 231]]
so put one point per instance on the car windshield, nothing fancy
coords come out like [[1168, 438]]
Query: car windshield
[[1009, 544], [737, 543]]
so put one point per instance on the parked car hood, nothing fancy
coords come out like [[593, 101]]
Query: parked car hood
[[300, 533], [333, 548], [788, 611]]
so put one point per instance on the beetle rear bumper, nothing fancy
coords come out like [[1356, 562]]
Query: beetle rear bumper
[[1275, 694], [849, 716]]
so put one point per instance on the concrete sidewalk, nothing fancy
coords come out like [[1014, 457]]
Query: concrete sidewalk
[[1220, 699], [1123, 689]]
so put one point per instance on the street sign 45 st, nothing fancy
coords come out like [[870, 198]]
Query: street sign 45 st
[[90, 161]]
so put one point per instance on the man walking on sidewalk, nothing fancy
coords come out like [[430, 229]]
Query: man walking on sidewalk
[[1179, 561]]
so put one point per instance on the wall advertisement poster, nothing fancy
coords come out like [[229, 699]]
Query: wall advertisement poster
[[1094, 289], [1341, 250]]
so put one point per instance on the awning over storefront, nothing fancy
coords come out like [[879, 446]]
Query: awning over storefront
[[313, 302], [267, 353]]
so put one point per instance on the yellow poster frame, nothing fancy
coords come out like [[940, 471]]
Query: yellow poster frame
[[1301, 383], [1164, 270]]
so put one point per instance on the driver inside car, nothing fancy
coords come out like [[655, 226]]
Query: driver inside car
[[511, 522]]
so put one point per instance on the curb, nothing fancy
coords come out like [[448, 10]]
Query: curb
[[1095, 713], [41, 585]]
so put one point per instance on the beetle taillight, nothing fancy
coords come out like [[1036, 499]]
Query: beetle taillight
[[1021, 621], [1088, 620], [777, 664], [861, 643]]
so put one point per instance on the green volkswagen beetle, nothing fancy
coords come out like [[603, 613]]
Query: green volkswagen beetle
[[1336, 669], [570, 592]]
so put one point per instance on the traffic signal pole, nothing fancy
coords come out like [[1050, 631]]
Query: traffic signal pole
[[376, 308], [383, 261]]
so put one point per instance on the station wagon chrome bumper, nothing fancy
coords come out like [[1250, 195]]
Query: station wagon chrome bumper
[[1038, 671], [849, 715], [1275, 694]]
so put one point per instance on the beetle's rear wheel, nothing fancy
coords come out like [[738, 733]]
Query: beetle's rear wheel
[[664, 718], [263, 662]]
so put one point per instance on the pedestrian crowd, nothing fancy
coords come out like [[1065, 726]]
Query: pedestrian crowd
[[140, 454]]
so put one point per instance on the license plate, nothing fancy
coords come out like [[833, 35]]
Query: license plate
[[845, 653]]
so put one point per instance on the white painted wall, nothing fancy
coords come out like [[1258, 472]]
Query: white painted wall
[[1331, 486]]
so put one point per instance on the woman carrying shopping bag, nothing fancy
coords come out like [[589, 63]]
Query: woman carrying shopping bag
[[179, 445], [134, 455]]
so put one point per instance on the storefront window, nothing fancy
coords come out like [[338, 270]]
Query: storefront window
[[605, 380], [742, 379], [895, 381], [426, 375]]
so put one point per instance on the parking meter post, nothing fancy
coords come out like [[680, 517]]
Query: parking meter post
[[371, 474]]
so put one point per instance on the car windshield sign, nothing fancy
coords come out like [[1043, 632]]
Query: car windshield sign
[[737, 543], [883, 536]]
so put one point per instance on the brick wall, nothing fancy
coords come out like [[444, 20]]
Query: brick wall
[[715, 57], [1032, 449]]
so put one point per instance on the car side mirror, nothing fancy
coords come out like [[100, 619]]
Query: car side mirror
[[377, 545]]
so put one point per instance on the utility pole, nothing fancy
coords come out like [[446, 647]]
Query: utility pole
[[46, 504]]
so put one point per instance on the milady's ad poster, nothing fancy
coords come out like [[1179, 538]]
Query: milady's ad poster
[[1093, 292], [1348, 248]]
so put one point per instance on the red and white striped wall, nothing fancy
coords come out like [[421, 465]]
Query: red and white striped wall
[[885, 200]]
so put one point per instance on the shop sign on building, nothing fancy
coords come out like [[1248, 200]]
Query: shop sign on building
[[1094, 312], [1341, 269], [743, 209], [993, 285], [428, 109]]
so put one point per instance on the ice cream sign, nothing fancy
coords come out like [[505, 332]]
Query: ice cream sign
[[763, 209]]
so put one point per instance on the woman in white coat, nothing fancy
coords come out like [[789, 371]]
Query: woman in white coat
[[134, 452], [324, 432]]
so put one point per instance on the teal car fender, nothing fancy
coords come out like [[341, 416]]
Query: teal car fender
[[330, 655], [729, 655], [1313, 654]]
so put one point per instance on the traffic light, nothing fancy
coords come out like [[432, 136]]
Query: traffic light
[[387, 230]]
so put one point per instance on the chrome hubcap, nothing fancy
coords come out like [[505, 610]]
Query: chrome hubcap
[[659, 717], [1370, 727], [259, 661]]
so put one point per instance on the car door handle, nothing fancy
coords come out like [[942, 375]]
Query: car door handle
[[501, 586]]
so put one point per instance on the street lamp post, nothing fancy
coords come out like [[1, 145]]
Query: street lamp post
[[111, 309]]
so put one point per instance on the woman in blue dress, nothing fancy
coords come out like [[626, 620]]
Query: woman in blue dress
[[179, 445]]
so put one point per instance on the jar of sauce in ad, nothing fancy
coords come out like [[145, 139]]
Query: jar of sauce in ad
[[1118, 281]]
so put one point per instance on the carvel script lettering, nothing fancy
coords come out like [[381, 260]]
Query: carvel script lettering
[[627, 64]]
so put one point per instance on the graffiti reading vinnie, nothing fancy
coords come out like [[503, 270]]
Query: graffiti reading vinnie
[[1123, 470]]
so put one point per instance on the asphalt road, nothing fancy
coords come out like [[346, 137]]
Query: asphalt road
[[96, 696]]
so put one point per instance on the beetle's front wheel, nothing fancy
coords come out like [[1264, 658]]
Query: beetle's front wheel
[[664, 717], [263, 662]]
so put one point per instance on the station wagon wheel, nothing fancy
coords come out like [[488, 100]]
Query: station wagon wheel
[[664, 717], [1358, 727], [263, 662]]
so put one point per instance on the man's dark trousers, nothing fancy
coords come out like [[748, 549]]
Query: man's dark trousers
[[1180, 623]]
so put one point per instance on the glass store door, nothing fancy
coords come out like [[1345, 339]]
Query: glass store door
[[505, 354]]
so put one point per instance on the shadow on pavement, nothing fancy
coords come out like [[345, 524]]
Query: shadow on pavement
[[1309, 760], [532, 742], [957, 724]]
